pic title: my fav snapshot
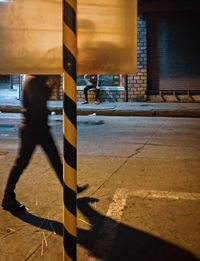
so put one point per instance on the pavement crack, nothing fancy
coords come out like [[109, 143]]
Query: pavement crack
[[114, 172], [130, 156], [32, 253], [137, 151], [148, 141], [37, 249]]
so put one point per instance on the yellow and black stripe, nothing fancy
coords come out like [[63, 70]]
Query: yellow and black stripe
[[69, 128]]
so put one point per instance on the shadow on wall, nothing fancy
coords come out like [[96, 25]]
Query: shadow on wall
[[108, 57], [129, 243]]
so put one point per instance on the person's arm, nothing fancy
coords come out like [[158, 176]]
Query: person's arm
[[25, 99], [86, 80], [97, 82]]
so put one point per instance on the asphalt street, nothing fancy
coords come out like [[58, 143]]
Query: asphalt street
[[144, 184]]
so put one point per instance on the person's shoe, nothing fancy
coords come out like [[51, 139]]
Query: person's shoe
[[82, 188], [12, 205], [96, 102], [85, 102]]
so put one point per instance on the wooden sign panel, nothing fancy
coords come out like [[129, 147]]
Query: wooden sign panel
[[31, 36]]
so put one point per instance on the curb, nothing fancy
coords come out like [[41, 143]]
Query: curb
[[146, 113], [13, 109], [112, 112]]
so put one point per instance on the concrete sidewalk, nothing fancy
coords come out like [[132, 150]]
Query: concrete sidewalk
[[160, 109], [9, 102]]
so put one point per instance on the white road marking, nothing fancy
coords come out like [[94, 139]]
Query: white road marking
[[110, 225], [107, 234], [165, 194]]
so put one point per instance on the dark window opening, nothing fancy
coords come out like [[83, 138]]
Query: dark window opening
[[104, 80]]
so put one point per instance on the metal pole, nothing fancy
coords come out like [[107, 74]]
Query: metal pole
[[11, 81], [69, 129], [126, 88]]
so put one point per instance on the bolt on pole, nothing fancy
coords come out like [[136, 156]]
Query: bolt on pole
[[69, 130]]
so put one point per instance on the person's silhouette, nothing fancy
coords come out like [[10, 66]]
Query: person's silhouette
[[91, 83], [34, 131]]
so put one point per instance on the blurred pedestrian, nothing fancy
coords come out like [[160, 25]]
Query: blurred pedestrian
[[34, 131]]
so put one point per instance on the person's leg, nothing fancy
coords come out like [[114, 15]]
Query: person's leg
[[25, 151], [87, 87], [97, 94], [51, 150]]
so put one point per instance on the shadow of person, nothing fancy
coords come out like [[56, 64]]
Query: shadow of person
[[42, 223], [128, 243], [103, 54]]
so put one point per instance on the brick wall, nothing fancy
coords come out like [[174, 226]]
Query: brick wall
[[106, 94], [137, 84]]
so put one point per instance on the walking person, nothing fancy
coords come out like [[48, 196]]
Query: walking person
[[34, 131], [92, 83]]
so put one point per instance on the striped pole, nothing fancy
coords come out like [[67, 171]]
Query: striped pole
[[69, 128]]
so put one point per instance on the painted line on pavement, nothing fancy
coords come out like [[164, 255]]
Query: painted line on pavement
[[106, 236], [109, 228], [165, 194]]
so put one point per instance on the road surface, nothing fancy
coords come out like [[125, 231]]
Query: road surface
[[144, 185]]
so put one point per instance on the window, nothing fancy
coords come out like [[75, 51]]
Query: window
[[104, 80], [80, 80], [109, 80]]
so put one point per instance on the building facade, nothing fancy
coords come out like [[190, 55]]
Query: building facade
[[173, 55], [168, 57]]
